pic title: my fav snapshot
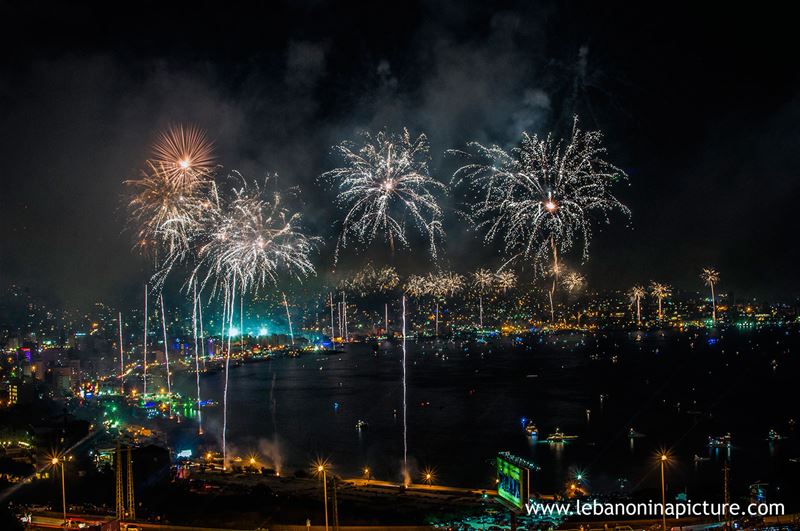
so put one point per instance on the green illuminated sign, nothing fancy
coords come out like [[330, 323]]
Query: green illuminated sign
[[509, 486]]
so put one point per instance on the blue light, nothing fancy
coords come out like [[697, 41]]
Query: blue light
[[233, 332], [262, 331]]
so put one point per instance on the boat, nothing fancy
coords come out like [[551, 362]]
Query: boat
[[774, 436], [720, 442], [633, 434], [698, 459], [559, 437], [531, 429], [361, 424]]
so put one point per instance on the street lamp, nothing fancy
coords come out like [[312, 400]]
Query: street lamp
[[663, 458], [428, 475], [55, 462], [321, 470]]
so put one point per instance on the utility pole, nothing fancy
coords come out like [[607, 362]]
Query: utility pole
[[335, 507], [131, 502], [120, 493]]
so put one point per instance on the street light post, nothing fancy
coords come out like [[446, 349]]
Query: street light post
[[56, 461], [321, 468], [663, 495]]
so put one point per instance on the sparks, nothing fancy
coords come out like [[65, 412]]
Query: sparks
[[383, 184]]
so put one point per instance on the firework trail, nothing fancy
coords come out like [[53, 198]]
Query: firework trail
[[542, 197], [288, 317], [252, 239], [227, 370], [710, 277], [405, 400], [195, 303], [166, 348], [202, 334], [121, 358], [144, 349], [660, 292], [385, 182], [344, 317], [483, 281], [339, 319], [635, 295], [333, 331]]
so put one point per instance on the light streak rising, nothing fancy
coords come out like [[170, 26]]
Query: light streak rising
[[121, 357], [635, 295], [483, 281], [166, 348], [405, 400], [195, 304], [710, 277], [144, 347], [288, 317]]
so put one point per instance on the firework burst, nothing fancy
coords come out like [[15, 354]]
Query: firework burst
[[384, 185], [483, 281], [250, 239], [505, 280], [185, 153], [573, 282], [635, 295], [660, 292], [255, 238], [542, 197], [166, 213], [416, 286], [442, 285], [371, 280], [710, 277]]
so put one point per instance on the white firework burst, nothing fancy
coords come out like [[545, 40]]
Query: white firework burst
[[385, 185], [254, 239], [542, 197]]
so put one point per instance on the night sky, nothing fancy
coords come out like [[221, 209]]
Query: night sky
[[699, 105]]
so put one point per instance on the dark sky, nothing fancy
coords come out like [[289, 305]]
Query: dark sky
[[698, 104]]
